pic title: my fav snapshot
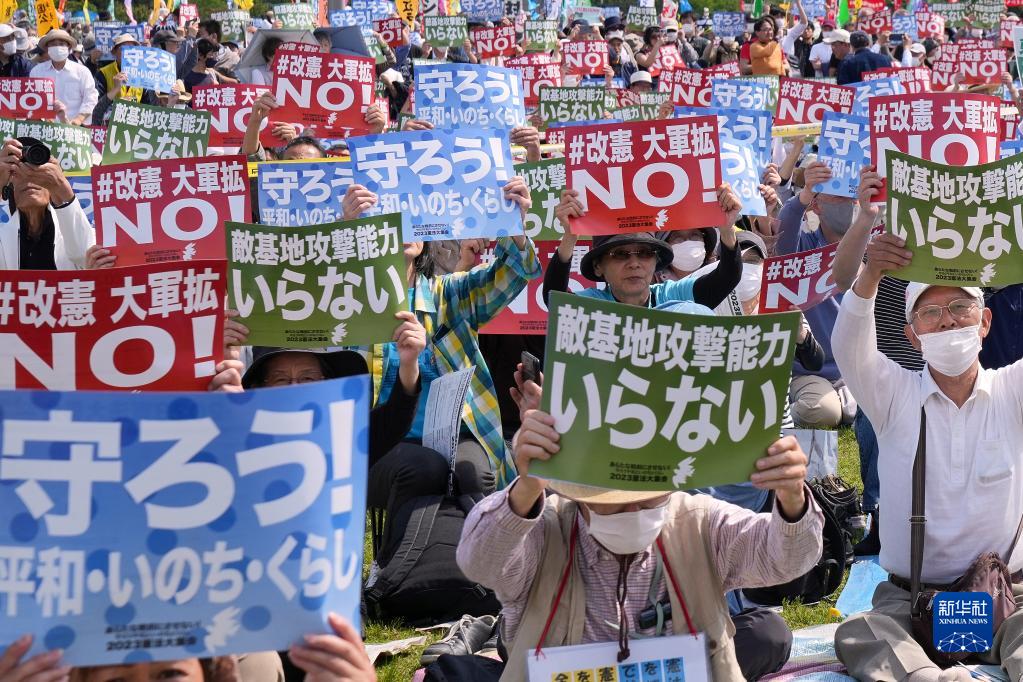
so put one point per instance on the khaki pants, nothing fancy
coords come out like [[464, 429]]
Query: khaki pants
[[879, 645], [815, 403]]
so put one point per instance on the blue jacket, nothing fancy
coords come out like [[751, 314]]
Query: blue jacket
[[853, 67]]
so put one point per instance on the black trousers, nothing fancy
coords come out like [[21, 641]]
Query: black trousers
[[763, 642], [410, 470]]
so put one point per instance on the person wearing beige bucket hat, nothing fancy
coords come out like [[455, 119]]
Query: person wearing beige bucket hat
[[574, 564]]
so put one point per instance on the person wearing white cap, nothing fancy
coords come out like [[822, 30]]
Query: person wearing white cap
[[970, 420], [12, 64], [75, 86], [640, 81]]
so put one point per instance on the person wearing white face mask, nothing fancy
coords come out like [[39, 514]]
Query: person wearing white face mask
[[12, 64], [557, 555], [76, 94], [691, 250], [973, 444]]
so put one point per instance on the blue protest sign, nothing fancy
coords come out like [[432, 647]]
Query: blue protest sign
[[868, 89], [751, 127], [162, 526], [963, 621], [483, 10], [728, 24], [904, 24], [81, 185], [740, 153], [293, 194], [448, 184], [454, 95], [845, 148], [354, 17], [816, 8], [105, 36], [1009, 148], [728, 93], [149, 68]]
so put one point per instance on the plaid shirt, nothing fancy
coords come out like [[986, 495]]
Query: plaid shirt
[[452, 308]]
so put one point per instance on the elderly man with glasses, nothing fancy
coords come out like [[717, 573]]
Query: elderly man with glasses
[[973, 443]]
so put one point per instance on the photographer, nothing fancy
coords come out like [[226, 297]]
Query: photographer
[[48, 229]]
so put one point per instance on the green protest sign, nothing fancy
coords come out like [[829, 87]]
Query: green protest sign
[[953, 12], [337, 284], [140, 132], [234, 24], [546, 181], [772, 92], [639, 18], [986, 13], [299, 16], [541, 36], [441, 31], [964, 225], [1017, 46], [70, 145], [561, 105], [635, 112], [652, 400], [373, 45]]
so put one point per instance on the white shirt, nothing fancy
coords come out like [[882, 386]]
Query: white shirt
[[76, 87], [72, 237], [821, 51], [974, 476]]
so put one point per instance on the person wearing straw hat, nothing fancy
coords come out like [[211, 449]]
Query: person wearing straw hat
[[75, 87], [574, 564]]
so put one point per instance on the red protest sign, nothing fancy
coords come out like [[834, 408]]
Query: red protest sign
[[99, 137], [174, 209], [981, 65], [645, 176], [798, 281], [1010, 122], [878, 23], [27, 98], [687, 87], [585, 57], [527, 313], [1005, 30], [498, 41], [915, 79], [229, 106], [802, 102], [930, 25], [667, 59], [188, 13], [390, 30], [952, 128], [538, 70], [152, 327], [946, 66], [328, 93]]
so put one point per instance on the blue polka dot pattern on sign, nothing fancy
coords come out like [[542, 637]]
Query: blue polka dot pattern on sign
[[470, 222], [46, 400], [199, 646], [275, 490], [160, 542], [317, 413], [59, 637], [225, 522], [129, 432], [353, 390], [24, 528], [362, 440], [312, 603], [255, 618], [204, 456], [138, 656], [183, 408], [258, 440], [241, 398], [300, 540], [98, 560], [120, 615], [502, 232]]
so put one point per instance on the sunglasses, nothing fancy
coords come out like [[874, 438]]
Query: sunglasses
[[622, 255]]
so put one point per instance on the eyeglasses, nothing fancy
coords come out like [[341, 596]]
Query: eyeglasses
[[960, 309], [281, 380], [623, 255]]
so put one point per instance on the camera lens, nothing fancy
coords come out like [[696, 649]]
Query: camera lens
[[33, 152]]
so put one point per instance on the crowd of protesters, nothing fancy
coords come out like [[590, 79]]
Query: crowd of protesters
[[876, 358]]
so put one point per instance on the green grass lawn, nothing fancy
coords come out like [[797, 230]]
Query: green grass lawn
[[400, 668]]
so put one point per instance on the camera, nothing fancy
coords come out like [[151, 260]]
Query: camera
[[34, 152]]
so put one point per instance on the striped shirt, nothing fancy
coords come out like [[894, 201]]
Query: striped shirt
[[503, 550], [890, 321]]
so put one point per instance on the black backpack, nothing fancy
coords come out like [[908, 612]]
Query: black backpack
[[840, 504], [419, 581]]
